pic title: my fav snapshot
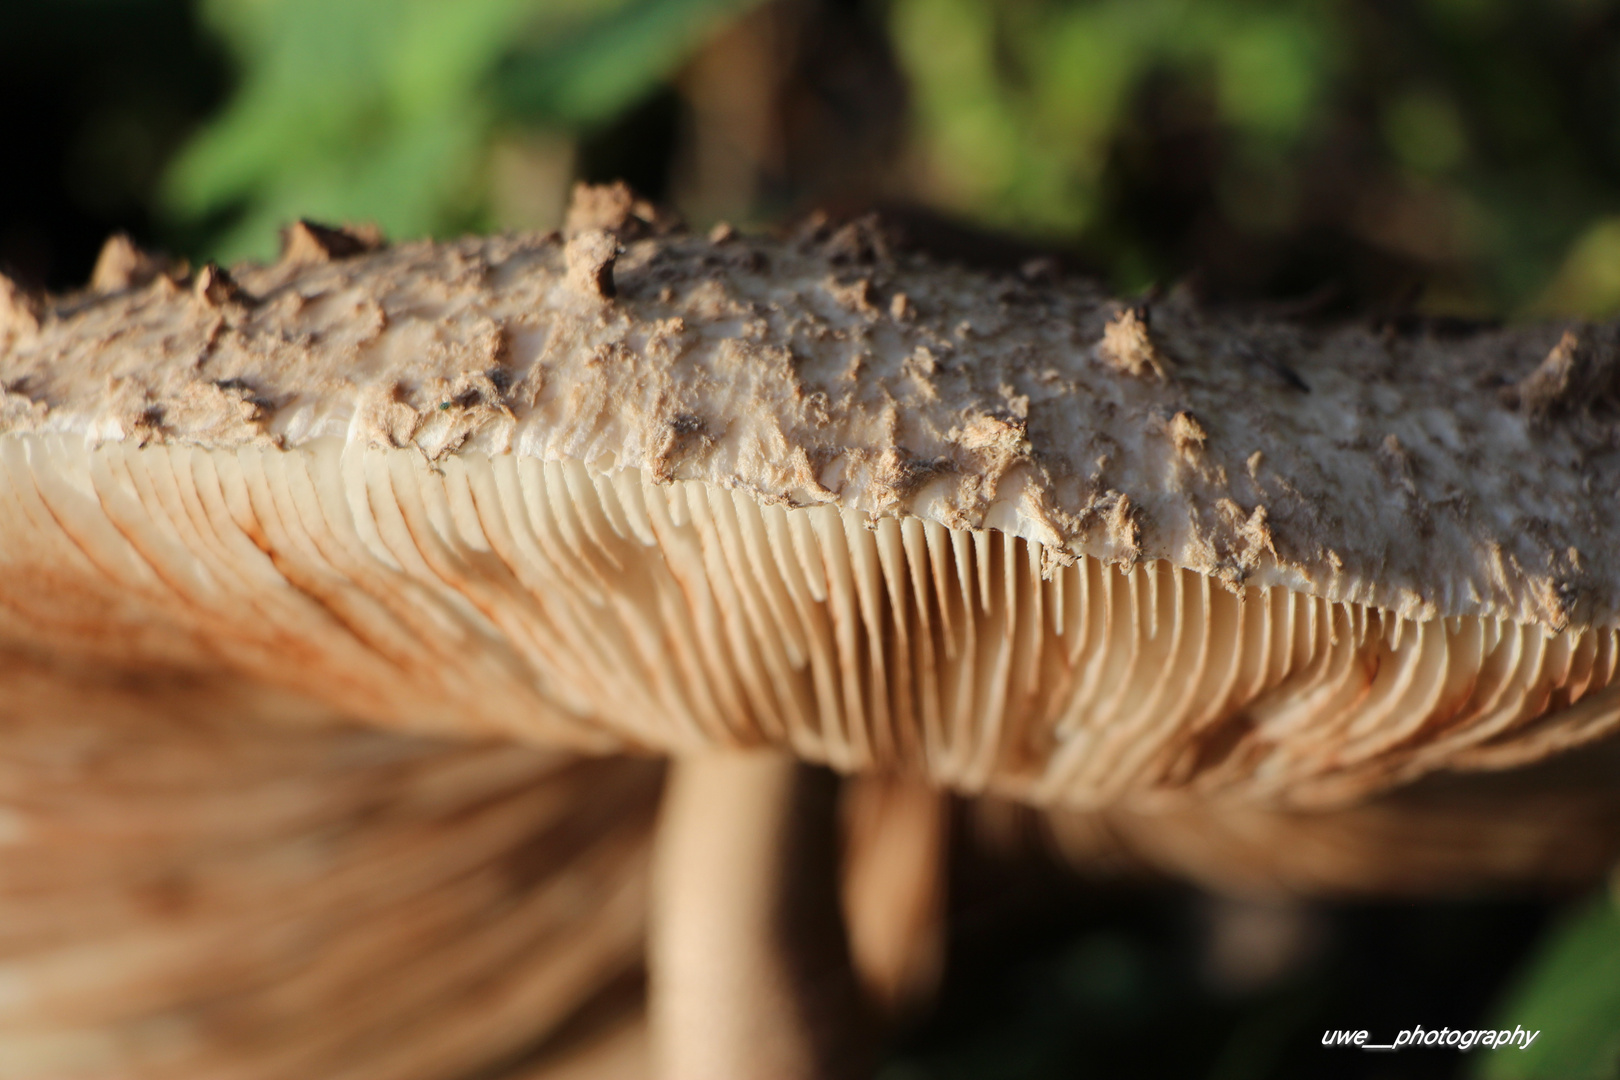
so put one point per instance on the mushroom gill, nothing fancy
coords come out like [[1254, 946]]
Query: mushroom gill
[[506, 594]]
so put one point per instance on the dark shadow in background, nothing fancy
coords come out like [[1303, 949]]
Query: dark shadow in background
[[96, 95], [1054, 977]]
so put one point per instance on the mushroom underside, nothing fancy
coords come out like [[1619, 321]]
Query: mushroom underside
[[196, 885], [190, 889], [599, 609]]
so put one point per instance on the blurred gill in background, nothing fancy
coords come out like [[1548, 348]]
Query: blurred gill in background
[[1444, 157]]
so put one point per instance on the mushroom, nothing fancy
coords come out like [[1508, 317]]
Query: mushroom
[[196, 883], [1548, 826], [750, 502]]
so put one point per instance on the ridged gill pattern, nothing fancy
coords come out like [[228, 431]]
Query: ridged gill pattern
[[600, 609]]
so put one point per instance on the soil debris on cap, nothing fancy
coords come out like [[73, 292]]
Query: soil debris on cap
[[214, 287], [591, 255], [20, 310], [1187, 434], [1128, 346], [307, 243], [618, 209], [121, 265], [1580, 373]]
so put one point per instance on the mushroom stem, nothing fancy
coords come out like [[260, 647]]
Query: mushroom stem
[[749, 965]]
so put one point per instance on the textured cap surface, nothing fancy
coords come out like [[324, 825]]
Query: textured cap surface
[[1348, 464]]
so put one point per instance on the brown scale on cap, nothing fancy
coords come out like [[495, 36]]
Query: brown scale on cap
[[20, 310], [305, 242], [121, 265], [1579, 374], [214, 287], [1128, 346], [590, 258], [619, 210]]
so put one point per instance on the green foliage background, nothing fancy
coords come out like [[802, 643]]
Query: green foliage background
[[1476, 138], [1571, 994], [1466, 152], [385, 110]]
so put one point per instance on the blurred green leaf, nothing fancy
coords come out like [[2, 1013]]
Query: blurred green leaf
[[1588, 282], [1018, 106], [384, 110], [1571, 994], [1270, 67], [1470, 145], [599, 68], [1425, 132]]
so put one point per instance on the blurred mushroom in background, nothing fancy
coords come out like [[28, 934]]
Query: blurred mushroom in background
[[201, 877]]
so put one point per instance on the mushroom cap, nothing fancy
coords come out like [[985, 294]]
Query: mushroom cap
[[668, 492]]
